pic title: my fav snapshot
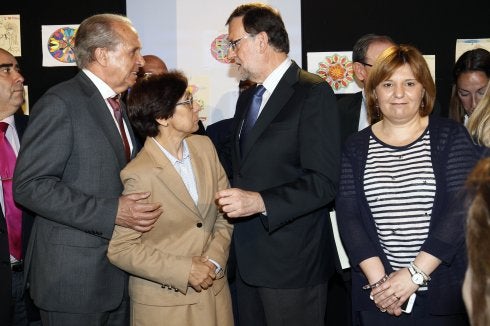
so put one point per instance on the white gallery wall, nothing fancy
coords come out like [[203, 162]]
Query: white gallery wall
[[181, 33]]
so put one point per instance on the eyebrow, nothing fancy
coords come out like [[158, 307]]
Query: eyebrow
[[5, 65]]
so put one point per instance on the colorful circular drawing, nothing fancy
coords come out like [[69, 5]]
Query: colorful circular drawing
[[61, 43], [337, 70], [219, 48]]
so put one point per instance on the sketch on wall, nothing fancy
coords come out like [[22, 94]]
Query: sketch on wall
[[57, 42], [463, 45], [10, 34]]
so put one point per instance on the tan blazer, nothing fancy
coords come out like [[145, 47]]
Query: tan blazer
[[160, 260]]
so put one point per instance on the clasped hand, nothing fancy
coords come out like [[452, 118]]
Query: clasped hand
[[202, 273], [390, 295]]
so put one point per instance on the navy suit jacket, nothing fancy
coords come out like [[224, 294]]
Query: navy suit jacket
[[291, 157]]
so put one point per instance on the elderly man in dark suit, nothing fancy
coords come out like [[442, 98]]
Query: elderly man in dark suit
[[15, 223], [285, 170], [78, 140]]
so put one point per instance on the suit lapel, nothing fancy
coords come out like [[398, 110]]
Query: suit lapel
[[281, 95], [202, 176], [169, 176], [103, 118]]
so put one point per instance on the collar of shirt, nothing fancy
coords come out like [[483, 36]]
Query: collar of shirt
[[104, 89], [11, 133], [171, 158], [270, 83], [363, 118]]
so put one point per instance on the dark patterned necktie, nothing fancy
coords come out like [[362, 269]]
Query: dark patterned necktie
[[116, 107]]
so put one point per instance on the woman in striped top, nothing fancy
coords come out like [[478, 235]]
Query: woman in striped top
[[398, 208]]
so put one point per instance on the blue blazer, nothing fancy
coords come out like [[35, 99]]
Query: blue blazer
[[291, 157]]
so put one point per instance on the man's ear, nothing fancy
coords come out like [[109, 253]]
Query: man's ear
[[101, 56], [263, 39], [359, 71]]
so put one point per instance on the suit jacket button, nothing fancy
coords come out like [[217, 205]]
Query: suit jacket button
[[199, 225]]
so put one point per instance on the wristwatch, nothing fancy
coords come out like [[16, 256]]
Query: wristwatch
[[417, 277]]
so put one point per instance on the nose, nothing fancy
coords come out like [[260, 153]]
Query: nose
[[474, 101], [230, 54], [196, 107], [140, 61], [399, 91], [18, 77]]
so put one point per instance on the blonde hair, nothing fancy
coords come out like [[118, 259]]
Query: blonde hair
[[478, 241], [479, 121]]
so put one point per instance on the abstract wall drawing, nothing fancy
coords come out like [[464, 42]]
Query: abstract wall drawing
[[58, 43], [335, 68], [219, 48]]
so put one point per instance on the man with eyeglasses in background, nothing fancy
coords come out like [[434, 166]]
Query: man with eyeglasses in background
[[285, 173]]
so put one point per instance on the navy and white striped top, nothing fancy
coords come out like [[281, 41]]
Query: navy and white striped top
[[400, 187]]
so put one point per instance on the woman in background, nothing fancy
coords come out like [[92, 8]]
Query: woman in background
[[399, 180], [471, 74], [177, 267]]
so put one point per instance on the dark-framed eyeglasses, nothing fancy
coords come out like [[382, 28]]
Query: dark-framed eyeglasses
[[233, 44], [365, 64], [189, 102]]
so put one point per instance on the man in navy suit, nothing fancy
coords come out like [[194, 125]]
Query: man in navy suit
[[285, 174], [16, 307]]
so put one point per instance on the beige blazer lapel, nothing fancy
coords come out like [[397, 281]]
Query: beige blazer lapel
[[169, 176], [203, 179]]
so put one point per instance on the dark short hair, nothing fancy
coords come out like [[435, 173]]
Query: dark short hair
[[258, 17], [154, 98], [362, 45], [390, 60], [97, 32]]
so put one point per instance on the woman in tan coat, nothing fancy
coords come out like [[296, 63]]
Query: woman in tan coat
[[177, 267]]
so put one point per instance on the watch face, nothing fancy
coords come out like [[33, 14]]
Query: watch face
[[418, 279]]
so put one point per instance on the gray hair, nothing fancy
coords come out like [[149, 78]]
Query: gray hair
[[97, 32]]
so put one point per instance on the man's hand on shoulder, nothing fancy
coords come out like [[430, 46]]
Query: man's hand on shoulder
[[133, 213]]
